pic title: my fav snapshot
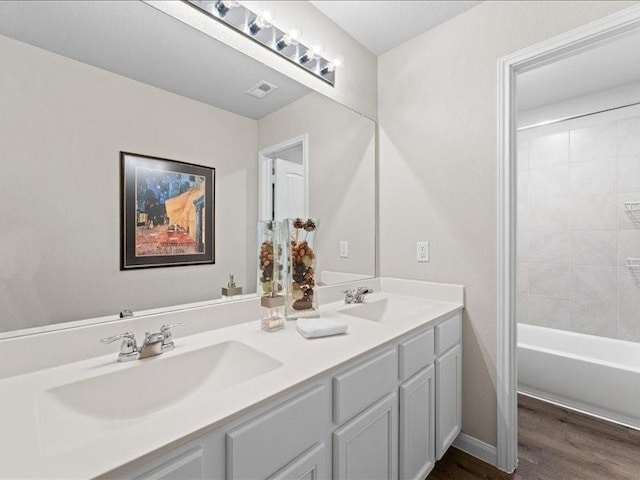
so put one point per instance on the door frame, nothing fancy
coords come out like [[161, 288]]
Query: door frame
[[581, 38], [264, 174]]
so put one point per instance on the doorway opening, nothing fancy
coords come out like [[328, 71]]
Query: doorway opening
[[567, 46]]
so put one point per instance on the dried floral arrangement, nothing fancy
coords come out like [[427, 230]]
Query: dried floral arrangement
[[302, 261], [270, 262]]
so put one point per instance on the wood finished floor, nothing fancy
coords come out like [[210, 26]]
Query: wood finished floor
[[556, 444]]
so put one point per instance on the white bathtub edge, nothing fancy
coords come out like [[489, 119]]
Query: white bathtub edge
[[585, 409], [476, 448]]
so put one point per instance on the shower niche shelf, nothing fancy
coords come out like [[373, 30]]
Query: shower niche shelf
[[633, 264], [632, 207]]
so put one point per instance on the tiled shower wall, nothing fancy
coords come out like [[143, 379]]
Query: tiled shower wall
[[574, 231]]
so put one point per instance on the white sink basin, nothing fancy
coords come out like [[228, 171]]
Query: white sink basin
[[140, 388], [389, 309]]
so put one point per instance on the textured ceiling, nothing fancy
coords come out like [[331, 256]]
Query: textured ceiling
[[610, 65], [383, 25], [137, 41]]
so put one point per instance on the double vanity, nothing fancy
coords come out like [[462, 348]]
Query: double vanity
[[232, 401]]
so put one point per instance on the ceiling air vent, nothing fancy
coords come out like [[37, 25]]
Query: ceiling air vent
[[261, 89]]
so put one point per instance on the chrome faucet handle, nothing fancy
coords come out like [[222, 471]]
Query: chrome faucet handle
[[349, 296], [128, 349], [167, 328], [167, 343], [153, 338], [364, 290]]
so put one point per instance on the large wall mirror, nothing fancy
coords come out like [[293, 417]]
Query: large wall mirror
[[83, 81]]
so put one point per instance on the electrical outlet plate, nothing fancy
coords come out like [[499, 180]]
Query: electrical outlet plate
[[344, 249], [422, 251]]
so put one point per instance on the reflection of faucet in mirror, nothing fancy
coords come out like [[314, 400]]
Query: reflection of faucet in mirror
[[356, 296]]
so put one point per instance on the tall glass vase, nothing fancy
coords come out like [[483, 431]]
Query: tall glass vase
[[301, 268], [270, 283]]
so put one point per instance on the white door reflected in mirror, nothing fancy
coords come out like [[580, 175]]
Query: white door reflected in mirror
[[283, 180], [288, 189]]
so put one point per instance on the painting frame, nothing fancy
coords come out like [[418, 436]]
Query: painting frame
[[167, 212]]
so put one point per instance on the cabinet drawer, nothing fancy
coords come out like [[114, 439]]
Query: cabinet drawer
[[263, 445], [187, 465], [416, 353], [448, 333], [363, 384]]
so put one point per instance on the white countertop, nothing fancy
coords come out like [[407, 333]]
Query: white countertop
[[25, 452]]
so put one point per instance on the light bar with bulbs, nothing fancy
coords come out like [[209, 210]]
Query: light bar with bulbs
[[260, 28]]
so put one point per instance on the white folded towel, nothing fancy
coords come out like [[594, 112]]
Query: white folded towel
[[320, 327]]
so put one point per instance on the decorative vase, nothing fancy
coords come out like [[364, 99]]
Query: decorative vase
[[272, 312], [301, 267], [270, 285]]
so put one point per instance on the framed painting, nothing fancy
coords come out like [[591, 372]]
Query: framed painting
[[167, 212]]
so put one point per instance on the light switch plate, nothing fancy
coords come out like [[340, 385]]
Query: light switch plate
[[422, 251], [344, 249]]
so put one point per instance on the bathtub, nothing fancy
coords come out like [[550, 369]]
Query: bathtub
[[596, 375]]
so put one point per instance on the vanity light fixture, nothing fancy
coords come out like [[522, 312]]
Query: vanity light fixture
[[260, 28]]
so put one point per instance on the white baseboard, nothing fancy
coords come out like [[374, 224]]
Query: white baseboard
[[476, 448]]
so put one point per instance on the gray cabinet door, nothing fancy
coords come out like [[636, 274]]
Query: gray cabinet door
[[448, 399], [311, 465], [417, 427], [366, 447]]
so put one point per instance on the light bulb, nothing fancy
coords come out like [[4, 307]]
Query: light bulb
[[308, 55], [261, 22], [311, 54], [223, 7], [330, 67], [291, 38], [295, 34], [267, 16]]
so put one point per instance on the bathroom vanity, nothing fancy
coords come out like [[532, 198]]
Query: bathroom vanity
[[382, 401]]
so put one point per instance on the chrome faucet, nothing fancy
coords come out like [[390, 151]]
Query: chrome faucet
[[153, 343], [357, 295]]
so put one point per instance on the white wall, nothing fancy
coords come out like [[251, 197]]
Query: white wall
[[574, 233], [437, 112], [356, 80], [63, 125], [341, 177]]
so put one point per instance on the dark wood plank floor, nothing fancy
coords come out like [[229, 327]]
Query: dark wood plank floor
[[556, 444]]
